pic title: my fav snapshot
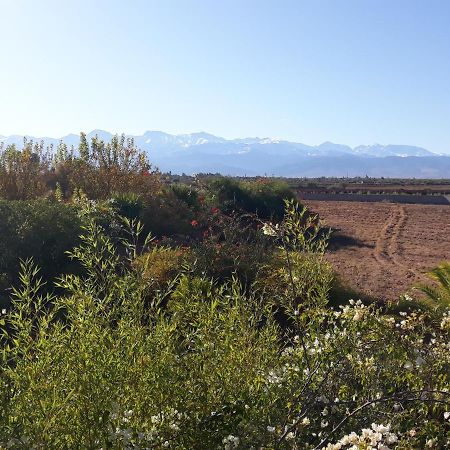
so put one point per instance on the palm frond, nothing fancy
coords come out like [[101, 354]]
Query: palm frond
[[439, 294]]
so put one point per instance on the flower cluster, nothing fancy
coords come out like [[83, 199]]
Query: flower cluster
[[377, 437], [356, 310], [270, 230], [162, 426], [445, 322]]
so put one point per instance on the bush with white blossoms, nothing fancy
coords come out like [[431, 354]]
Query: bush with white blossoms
[[111, 362], [377, 437]]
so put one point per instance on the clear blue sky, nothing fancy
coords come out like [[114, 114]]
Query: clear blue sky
[[347, 71]]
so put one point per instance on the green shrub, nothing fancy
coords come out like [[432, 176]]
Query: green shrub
[[160, 265], [166, 215], [37, 229], [231, 246], [267, 198], [188, 195], [263, 197], [129, 205]]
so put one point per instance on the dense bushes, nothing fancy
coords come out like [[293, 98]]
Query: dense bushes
[[103, 169], [201, 364], [117, 180], [166, 215], [100, 169], [37, 229], [23, 172], [117, 171], [263, 197]]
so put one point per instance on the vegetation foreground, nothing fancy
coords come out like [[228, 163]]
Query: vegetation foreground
[[223, 334]]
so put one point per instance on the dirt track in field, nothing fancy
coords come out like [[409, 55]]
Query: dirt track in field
[[383, 249]]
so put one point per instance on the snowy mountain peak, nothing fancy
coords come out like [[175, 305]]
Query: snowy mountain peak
[[157, 140], [268, 140], [392, 150], [205, 152]]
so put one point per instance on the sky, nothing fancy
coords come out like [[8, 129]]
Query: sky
[[347, 71]]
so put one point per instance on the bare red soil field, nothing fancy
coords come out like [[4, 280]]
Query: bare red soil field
[[383, 249]]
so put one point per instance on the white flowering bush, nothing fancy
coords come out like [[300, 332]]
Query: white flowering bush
[[376, 437], [112, 361]]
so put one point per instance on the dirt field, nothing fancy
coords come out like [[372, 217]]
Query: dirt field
[[382, 249]]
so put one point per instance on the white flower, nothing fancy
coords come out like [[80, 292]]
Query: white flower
[[378, 437], [381, 428], [447, 415], [154, 419], [270, 429], [445, 320], [391, 438], [269, 230], [230, 442], [274, 378], [306, 421]]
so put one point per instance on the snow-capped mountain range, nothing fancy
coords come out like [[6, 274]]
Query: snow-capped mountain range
[[204, 152]]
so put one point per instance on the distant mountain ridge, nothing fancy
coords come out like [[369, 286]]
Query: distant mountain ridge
[[204, 152]]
